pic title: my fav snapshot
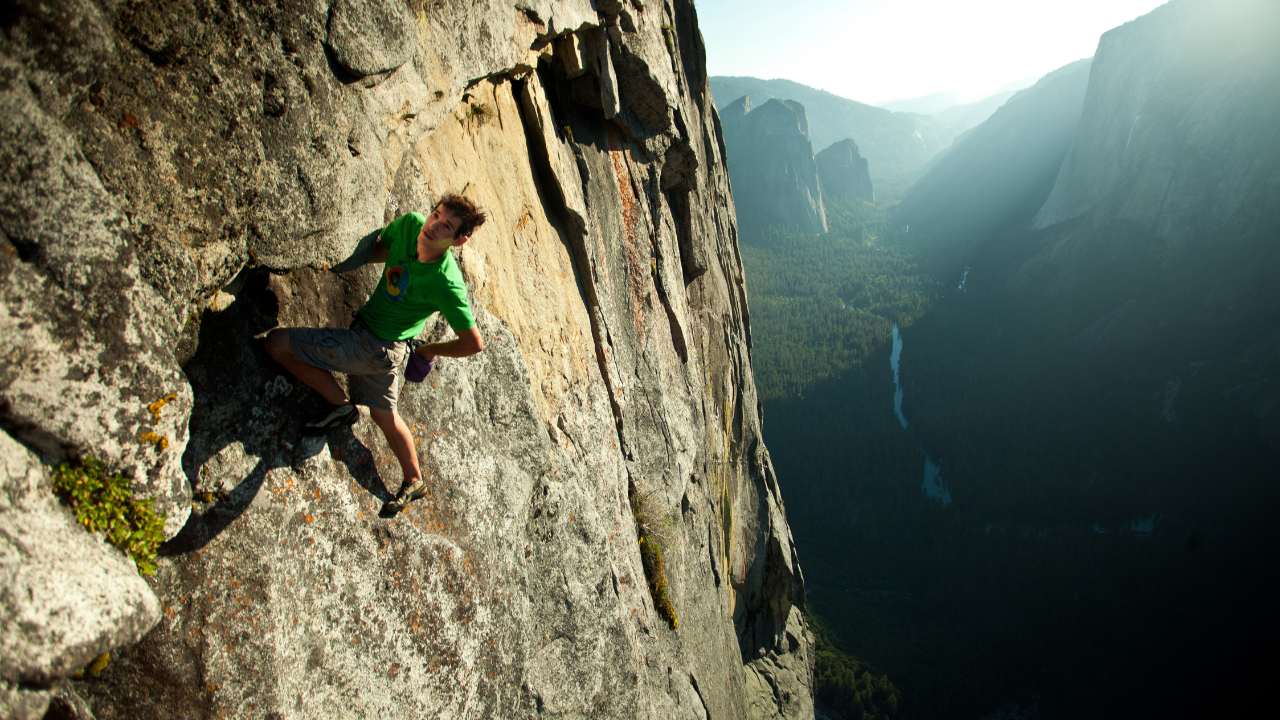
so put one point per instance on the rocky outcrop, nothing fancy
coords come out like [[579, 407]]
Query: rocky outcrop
[[176, 178], [775, 180], [64, 595], [845, 175]]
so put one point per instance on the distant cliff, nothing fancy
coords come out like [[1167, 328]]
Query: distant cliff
[[1145, 266], [775, 179], [1163, 209], [176, 177], [1163, 136], [897, 145], [846, 177]]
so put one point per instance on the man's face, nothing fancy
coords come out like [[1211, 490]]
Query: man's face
[[441, 225]]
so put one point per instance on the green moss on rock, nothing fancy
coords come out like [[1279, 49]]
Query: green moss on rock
[[104, 502], [655, 572], [651, 550]]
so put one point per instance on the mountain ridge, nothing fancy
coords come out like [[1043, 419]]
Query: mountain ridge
[[897, 145]]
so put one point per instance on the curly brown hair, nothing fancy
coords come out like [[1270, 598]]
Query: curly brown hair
[[469, 215]]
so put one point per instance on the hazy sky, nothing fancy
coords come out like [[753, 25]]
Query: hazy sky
[[881, 50]]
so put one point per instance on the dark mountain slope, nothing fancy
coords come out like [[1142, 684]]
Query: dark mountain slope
[[997, 174], [1107, 389]]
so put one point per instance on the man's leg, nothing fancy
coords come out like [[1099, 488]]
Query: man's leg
[[280, 349], [401, 442]]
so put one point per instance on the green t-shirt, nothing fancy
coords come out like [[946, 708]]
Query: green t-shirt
[[410, 291]]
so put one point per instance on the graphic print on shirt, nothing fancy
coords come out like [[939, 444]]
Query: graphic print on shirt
[[397, 282]]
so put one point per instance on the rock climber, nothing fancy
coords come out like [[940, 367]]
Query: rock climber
[[420, 277]]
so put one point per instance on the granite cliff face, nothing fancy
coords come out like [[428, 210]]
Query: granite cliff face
[[1179, 117], [775, 179], [1164, 211], [176, 178], [845, 175], [1164, 202]]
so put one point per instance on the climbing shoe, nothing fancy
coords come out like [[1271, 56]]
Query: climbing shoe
[[340, 416], [408, 493]]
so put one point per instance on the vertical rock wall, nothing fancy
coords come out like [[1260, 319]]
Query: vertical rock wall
[[177, 177], [775, 179], [1179, 117]]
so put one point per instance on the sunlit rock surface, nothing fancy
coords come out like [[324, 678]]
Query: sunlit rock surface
[[65, 596], [176, 178]]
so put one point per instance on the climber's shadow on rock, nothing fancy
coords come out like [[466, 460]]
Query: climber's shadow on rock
[[234, 430], [350, 450], [247, 416]]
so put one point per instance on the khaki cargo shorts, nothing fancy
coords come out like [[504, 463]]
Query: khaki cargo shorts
[[371, 364]]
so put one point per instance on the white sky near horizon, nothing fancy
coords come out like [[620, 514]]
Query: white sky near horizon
[[878, 51]]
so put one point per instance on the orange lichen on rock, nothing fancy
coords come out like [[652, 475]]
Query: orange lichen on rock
[[626, 196], [639, 260], [160, 441], [155, 406]]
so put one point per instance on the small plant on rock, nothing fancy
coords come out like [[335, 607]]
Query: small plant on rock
[[104, 502], [669, 38], [651, 535]]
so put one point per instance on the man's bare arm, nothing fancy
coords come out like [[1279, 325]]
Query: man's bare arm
[[467, 343], [369, 249], [380, 250]]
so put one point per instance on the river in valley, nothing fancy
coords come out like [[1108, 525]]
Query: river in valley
[[931, 484]]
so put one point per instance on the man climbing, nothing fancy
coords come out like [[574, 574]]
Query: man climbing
[[420, 277]]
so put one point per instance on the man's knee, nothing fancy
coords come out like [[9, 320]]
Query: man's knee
[[383, 418], [277, 345]]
